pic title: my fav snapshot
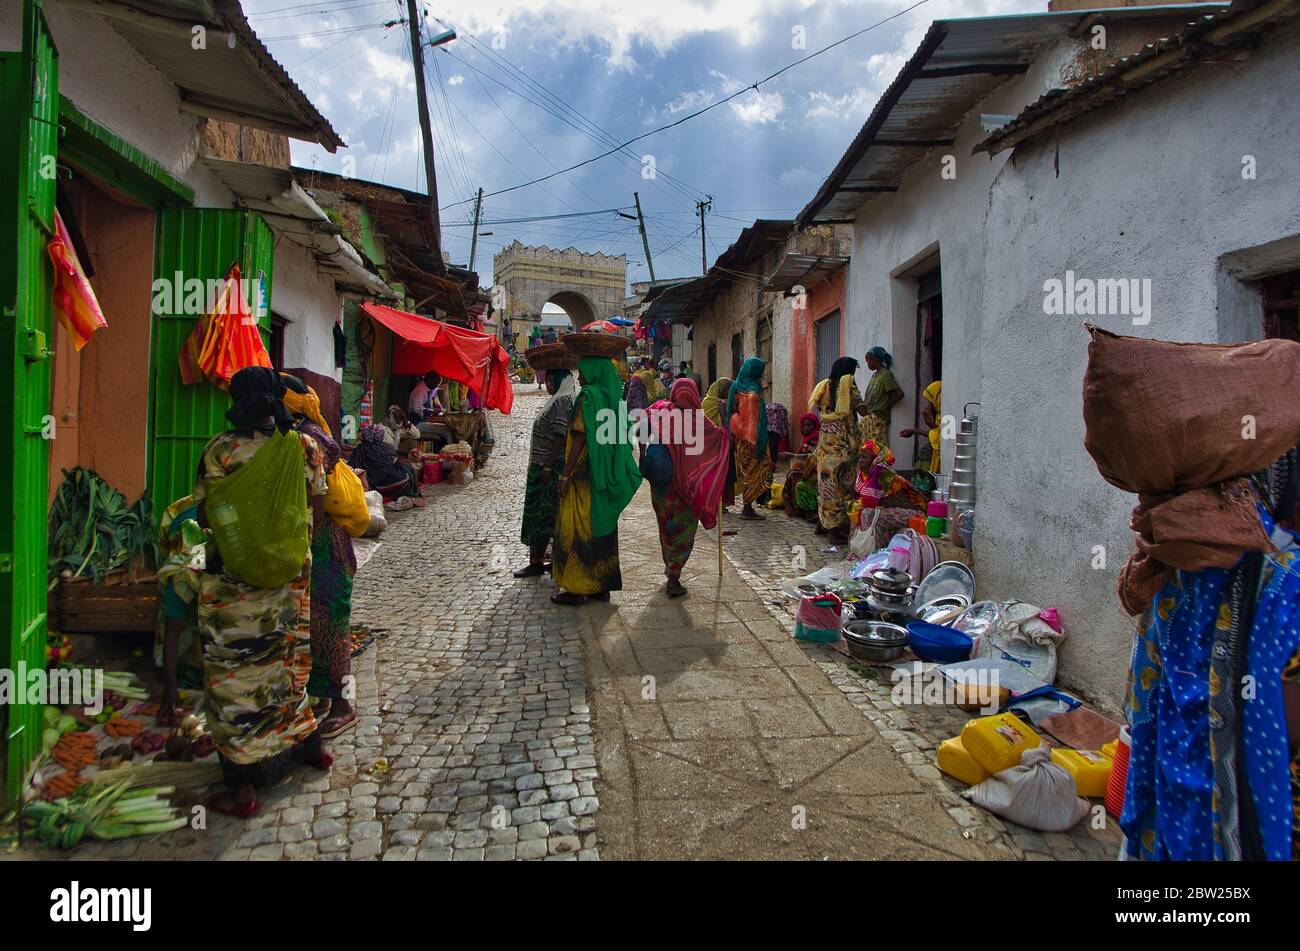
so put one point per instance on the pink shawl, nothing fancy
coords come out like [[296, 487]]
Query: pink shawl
[[698, 478]]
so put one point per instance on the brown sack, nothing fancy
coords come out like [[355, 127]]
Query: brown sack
[[1168, 421]]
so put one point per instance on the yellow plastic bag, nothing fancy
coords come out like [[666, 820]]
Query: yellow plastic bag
[[258, 515], [345, 500]]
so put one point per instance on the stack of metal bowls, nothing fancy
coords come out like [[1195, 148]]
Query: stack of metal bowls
[[961, 491], [890, 593], [877, 642]]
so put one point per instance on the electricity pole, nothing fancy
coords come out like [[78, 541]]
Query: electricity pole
[[645, 242], [426, 130], [473, 243], [704, 252]]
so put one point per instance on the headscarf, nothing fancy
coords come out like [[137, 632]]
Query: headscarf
[[809, 442], [637, 397], [749, 380], [614, 473], [881, 354], [375, 456], [713, 401], [257, 393], [699, 477], [301, 400]]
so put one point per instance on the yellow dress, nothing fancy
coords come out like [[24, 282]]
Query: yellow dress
[[583, 563]]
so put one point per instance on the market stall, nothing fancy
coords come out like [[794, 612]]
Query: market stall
[[472, 359]]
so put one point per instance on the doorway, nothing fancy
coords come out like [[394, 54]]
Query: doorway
[[929, 352]]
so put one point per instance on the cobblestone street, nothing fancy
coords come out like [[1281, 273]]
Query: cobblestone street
[[497, 725]]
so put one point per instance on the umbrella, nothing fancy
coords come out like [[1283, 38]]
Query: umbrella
[[602, 326], [621, 321]]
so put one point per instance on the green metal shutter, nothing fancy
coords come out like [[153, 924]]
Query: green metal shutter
[[195, 243], [29, 109]]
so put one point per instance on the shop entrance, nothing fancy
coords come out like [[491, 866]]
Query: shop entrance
[[929, 350]]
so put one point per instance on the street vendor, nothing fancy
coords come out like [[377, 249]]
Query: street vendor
[[399, 431], [428, 397], [555, 364]]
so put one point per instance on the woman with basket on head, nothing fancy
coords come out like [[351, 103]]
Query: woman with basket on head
[[600, 476], [553, 363]]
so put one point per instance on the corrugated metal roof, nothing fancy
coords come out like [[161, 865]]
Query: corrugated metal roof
[[233, 78], [276, 195], [803, 269], [686, 299], [1152, 63], [958, 63]]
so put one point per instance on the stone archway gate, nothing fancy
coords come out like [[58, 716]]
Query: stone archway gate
[[589, 286]]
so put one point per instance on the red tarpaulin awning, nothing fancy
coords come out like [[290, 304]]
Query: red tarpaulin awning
[[466, 356]]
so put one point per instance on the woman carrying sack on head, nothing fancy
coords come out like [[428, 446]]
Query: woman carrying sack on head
[[255, 665], [746, 417], [699, 474], [333, 566], [600, 477]]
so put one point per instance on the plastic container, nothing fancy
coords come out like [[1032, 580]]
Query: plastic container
[[937, 508], [917, 524], [996, 742], [1091, 770], [1115, 786], [956, 761], [936, 527], [942, 645]]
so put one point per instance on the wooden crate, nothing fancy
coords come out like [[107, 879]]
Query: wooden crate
[[120, 603]]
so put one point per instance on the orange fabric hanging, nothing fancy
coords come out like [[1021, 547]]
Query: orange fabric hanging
[[74, 299], [225, 341]]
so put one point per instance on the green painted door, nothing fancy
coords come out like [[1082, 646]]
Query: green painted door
[[29, 109], [194, 244]]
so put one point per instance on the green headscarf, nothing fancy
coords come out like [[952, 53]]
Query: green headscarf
[[615, 476], [750, 380]]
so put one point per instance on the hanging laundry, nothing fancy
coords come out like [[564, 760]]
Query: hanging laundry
[[74, 299]]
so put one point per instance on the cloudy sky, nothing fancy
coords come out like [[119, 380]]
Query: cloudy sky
[[530, 87]]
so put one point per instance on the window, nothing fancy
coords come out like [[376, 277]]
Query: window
[[275, 350], [1281, 295], [737, 355], [828, 343], [713, 364]]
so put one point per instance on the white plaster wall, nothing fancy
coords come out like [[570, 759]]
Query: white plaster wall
[[1150, 187], [306, 299], [896, 230], [781, 352], [108, 81]]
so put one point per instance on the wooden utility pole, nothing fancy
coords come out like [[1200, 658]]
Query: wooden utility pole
[[704, 252], [426, 130], [645, 242], [473, 242]]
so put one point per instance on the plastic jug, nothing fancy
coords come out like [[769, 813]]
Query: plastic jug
[[1091, 771], [996, 742], [956, 761], [1116, 787]]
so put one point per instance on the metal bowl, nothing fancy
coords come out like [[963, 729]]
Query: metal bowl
[[941, 610], [876, 641]]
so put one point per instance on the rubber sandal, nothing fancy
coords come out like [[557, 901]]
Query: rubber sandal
[[328, 732], [567, 597]]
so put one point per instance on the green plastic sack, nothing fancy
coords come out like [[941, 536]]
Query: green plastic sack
[[258, 515]]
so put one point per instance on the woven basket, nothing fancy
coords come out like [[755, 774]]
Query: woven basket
[[551, 356], [595, 344]]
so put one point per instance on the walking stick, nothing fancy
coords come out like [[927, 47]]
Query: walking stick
[[720, 500]]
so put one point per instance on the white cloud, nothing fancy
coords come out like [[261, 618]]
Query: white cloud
[[797, 177], [757, 107], [455, 80]]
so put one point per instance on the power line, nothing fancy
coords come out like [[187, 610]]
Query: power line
[[711, 106]]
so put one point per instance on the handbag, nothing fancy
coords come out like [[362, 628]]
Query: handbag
[[657, 466], [345, 500]]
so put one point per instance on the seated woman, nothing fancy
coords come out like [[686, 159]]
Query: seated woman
[[803, 469], [385, 472], [399, 431]]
